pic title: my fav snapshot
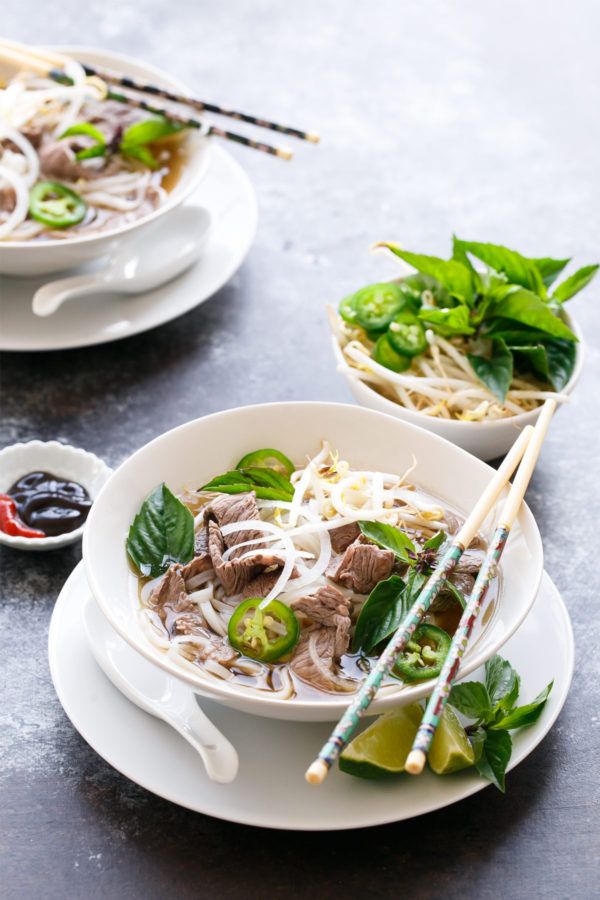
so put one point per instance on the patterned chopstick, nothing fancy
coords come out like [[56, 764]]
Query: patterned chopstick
[[200, 105], [340, 736], [435, 707], [45, 62]]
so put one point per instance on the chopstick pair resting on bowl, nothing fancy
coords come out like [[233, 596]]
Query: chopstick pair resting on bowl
[[51, 64], [526, 450]]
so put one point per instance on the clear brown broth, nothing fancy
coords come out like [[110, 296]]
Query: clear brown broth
[[352, 665]]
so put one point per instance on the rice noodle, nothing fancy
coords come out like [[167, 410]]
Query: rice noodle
[[18, 214], [440, 382]]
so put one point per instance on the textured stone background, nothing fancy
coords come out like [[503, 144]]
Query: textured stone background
[[469, 117]]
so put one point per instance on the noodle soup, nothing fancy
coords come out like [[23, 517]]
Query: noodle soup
[[311, 562]]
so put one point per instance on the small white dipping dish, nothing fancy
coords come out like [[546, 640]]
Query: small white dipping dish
[[59, 459], [195, 452], [41, 257], [487, 440]]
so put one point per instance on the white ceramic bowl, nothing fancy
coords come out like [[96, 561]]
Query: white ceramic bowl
[[59, 459], [487, 440], [30, 258], [205, 447]]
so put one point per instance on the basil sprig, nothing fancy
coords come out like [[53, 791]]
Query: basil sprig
[[508, 305], [266, 483], [493, 707], [133, 142], [390, 600], [162, 533]]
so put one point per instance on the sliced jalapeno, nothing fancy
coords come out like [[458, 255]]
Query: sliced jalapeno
[[347, 309], [55, 205], [263, 634], [376, 305], [384, 354], [424, 655], [407, 335], [267, 459]]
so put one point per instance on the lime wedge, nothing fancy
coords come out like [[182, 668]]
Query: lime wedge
[[381, 749], [450, 749]]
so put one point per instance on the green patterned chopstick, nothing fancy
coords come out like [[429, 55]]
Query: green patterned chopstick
[[317, 771], [435, 707]]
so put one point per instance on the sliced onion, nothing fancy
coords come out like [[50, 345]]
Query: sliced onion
[[19, 213], [28, 151]]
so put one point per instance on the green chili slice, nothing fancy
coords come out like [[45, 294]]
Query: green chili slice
[[384, 354], [376, 305], [267, 459], [55, 205], [407, 335], [424, 655], [259, 633], [347, 309]]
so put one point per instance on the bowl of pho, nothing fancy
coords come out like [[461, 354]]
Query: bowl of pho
[[470, 353], [80, 170], [263, 555]]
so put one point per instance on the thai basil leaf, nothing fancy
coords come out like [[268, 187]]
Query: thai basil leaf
[[497, 371], [266, 483], [574, 283], [453, 275], [517, 268], [524, 715], [472, 699], [560, 355], [495, 756], [161, 533], [533, 359], [136, 137], [448, 321], [149, 131], [477, 740], [389, 538], [550, 269], [501, 680], [86, 128], [512, 333], [383, 612], [523, 306], [435, 542]]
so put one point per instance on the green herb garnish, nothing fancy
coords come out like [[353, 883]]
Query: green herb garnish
[[493, 707], [162, 533], [495, 298]]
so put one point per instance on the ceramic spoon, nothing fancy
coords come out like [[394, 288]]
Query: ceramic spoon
[[136, 266], [159, 694]]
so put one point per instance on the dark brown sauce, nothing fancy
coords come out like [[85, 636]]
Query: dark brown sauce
[[49, 503]]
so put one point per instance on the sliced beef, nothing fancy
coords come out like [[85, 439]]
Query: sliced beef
[[328, 606], [362, 566], [471, 562], [229, 508], [261, 585], [463, 581], [112, 119], [170, 599], [314, 660], [58, 160], [201, 561], [235, 573], [214, 647], [342, 536], [33, 133]]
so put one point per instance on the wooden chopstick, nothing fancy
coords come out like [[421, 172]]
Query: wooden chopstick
[[340, 736], [431, 717], [46, 62]]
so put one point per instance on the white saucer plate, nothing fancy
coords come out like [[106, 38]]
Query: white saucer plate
[[270, 790], [226, 193]]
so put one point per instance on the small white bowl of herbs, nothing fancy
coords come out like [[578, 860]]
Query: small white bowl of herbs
[[468, 347]]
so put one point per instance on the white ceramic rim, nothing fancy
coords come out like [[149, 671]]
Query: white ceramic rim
[[336, 707], [53, 542], [111, 58], [128, 717], [417, 418]]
